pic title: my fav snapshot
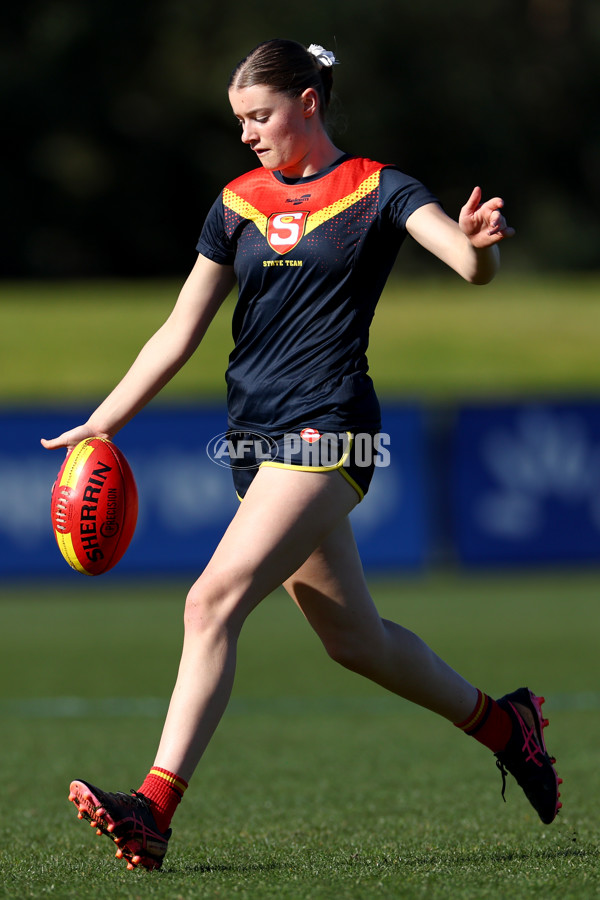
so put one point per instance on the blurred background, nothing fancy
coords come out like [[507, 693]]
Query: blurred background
[[117, 137], [483, 535], [117, 134]]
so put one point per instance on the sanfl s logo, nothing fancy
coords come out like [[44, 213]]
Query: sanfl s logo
[[285, 230]]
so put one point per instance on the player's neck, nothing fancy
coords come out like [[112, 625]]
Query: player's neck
[[321, 155]]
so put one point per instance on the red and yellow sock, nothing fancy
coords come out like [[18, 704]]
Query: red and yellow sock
[[164, 790], [488, 723]]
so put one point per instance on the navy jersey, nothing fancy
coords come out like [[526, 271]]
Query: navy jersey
[[311, 258]]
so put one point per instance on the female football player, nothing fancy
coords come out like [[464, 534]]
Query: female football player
[[310, 237]]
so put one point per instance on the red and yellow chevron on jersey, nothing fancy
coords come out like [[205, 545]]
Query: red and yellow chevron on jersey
[[311, 259], [301, 211]]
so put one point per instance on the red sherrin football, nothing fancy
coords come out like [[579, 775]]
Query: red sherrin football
[[94, 506]]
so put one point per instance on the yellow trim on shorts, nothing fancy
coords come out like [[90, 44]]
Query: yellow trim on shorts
[[352, 482], [338, 467]]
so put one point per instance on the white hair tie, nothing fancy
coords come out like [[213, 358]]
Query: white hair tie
[[325, 57]]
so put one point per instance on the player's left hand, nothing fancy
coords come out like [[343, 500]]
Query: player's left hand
[[484, 223]]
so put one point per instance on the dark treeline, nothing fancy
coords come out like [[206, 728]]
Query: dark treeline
[[117, 134]]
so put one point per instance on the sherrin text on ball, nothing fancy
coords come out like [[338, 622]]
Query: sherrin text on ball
[[94, 506]]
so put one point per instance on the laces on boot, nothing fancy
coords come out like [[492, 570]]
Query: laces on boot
[[504, 773]]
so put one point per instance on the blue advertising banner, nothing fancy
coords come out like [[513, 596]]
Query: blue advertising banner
[[526, 483], [186, 500]]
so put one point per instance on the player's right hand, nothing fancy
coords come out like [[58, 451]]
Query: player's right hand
[[70, 439]]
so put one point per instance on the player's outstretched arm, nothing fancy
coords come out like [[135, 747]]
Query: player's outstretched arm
[[468, 246], [161, 357]]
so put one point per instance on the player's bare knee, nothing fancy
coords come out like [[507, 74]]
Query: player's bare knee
[[215, 601], [360, 645], [349, 650]]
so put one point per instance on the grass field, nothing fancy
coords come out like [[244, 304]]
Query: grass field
[[434, 339], [317, 784]]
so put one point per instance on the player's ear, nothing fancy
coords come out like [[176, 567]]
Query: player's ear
[[310, 102]]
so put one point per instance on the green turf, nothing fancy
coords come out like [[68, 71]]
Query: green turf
[[436, 339], [317, 784]]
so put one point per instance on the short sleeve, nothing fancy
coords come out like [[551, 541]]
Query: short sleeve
[[213, 241], [401, 195]]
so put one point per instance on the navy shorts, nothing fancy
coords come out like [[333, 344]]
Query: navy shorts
[[354, 456]]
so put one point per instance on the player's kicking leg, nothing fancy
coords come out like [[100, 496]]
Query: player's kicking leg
[[331, 591], [284, 517]]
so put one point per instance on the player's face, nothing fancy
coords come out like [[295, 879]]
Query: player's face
[[277, 127]]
